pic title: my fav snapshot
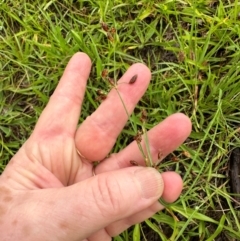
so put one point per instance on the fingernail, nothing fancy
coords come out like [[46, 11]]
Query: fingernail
[[151, 182]]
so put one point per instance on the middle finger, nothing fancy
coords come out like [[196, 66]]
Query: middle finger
[[97, 134]]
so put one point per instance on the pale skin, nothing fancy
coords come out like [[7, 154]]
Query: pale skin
[[48, 192]]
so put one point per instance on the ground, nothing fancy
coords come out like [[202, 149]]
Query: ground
[[192, 49]]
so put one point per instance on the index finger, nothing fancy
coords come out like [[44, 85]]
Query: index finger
[[61, 114]]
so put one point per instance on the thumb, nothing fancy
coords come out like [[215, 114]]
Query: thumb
[[93, 204]]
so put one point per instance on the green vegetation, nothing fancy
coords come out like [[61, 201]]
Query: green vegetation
[[193, 50]]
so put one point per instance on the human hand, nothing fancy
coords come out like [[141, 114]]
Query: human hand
[[48, 192]]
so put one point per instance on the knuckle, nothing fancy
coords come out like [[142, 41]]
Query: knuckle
[[108, 196]]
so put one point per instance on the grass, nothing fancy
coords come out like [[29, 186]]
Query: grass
[[192, 48]]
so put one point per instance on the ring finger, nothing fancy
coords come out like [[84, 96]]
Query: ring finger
[[163, 139]]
